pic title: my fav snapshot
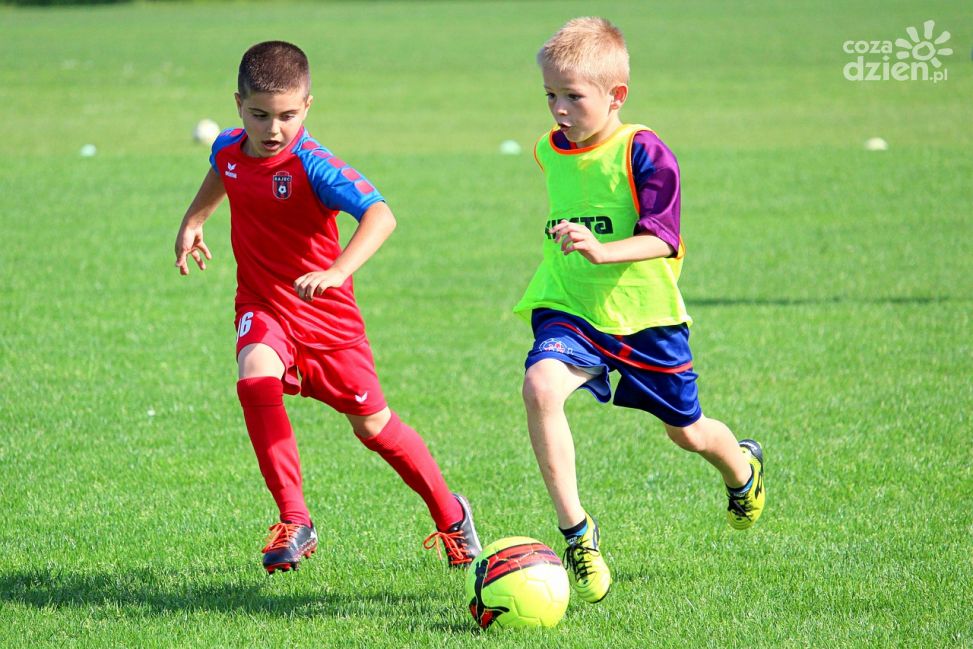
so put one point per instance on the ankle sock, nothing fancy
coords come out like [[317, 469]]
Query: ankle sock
[[741, 491], [575, 530]]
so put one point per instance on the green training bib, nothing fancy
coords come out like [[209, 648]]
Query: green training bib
[[594, 186]]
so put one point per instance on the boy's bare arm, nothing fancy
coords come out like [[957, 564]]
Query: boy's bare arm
[[375, 226], [189, 240], [575, 237]]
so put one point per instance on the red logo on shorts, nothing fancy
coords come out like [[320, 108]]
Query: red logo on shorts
[[282, 185], [554, 345]]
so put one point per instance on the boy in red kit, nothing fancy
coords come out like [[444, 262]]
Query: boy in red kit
[[299, 329]]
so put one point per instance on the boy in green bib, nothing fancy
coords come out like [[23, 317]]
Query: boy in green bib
[[605, 297]]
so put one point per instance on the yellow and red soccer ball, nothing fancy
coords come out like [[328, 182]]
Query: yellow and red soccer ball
[[517, 582]]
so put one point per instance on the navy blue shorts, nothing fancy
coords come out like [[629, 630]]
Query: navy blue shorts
[[655, 364]]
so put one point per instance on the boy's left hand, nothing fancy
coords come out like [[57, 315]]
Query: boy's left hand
[[313, 284], [575, 237]]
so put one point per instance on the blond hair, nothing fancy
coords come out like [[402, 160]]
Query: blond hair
[[590, 46]]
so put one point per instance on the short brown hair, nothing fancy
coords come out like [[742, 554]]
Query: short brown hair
[[275, 67], [590, 46]]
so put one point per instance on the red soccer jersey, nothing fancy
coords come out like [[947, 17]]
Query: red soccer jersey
[[282, 225]]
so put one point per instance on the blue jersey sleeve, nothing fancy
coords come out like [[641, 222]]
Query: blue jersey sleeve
[[337, 184], [223, 140]]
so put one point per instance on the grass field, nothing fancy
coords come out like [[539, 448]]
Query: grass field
[[831, 288]]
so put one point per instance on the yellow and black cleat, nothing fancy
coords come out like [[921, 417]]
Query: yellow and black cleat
[[590, 576], [743, 511]]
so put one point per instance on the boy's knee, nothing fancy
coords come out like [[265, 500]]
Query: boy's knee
[[369, 426], [539, 393], [258, 360], [548, 383], [688, 437]]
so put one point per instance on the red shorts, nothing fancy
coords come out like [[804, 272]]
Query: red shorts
[[345, 379]]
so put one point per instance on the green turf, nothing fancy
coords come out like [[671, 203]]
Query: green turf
[[831, 289]]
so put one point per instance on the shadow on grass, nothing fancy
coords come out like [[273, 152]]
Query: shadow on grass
[[57, 3], [142, 590], [786, 301]]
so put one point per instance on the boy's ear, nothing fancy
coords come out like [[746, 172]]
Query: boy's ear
[[239, 103], [619, 95]]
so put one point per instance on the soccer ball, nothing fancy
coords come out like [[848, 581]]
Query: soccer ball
[[206, 132], [517, 582]]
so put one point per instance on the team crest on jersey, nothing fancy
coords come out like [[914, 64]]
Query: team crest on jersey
[[282, 185]]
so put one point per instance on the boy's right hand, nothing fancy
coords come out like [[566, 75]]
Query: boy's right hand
[[189, 242]]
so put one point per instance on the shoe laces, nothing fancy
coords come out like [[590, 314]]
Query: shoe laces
[[740, 506], [454, 542], [579, 558], [281, 535]]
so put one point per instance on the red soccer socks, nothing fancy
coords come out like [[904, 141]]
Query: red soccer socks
[[273, 441], [403, 448], [276, 449]]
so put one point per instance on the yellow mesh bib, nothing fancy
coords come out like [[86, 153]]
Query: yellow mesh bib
[[594, 186]]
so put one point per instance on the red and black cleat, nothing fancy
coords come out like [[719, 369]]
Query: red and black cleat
[[287, 544], [461, 540]]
